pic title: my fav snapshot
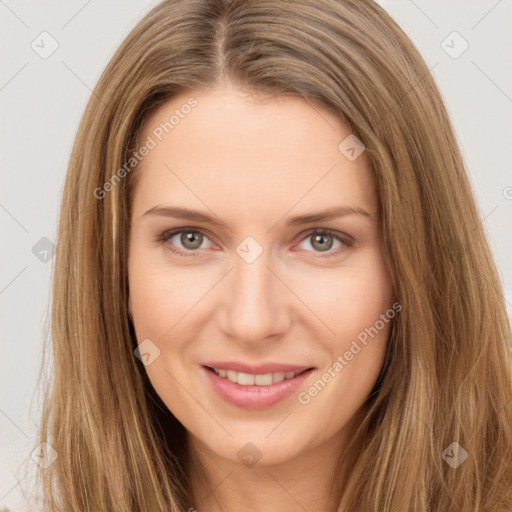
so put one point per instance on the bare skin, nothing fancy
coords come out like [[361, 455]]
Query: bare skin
[[253, 165]]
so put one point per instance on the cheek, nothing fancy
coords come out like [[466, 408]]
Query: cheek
[[351, 298], [354, 351], [361, 304], [160, 299], [160, 295]]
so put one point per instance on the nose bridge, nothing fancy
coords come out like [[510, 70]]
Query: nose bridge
[[255, 304]]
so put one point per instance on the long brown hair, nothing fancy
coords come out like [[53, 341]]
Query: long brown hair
[[447, 376]]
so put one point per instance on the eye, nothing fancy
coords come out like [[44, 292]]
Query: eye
[[191, 239], [322, 241]]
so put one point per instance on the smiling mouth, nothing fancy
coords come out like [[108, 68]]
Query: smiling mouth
[[257, 387], [250, 379]]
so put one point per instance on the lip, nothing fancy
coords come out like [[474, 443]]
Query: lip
[[256, 369], [256, 397]]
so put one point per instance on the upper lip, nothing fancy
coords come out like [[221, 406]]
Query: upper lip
[[256, 369]]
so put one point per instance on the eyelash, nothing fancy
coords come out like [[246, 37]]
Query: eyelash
[[344, 239]]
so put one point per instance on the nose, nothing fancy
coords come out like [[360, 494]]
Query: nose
[[256, 304]]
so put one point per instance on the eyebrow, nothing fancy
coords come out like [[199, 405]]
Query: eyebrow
[[197, 216]]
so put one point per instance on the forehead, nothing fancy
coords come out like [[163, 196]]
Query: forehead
[[225, 144]]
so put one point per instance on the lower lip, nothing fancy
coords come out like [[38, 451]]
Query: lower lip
[[255, 397]]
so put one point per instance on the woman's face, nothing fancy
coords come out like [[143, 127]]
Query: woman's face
[[243, 284]]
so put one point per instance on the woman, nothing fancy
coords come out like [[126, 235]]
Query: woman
[[207, 354]]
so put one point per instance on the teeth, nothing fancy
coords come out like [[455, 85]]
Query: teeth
[[248, 379], [262, 380]]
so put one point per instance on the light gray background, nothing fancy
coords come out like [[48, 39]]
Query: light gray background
[[42, 101]]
